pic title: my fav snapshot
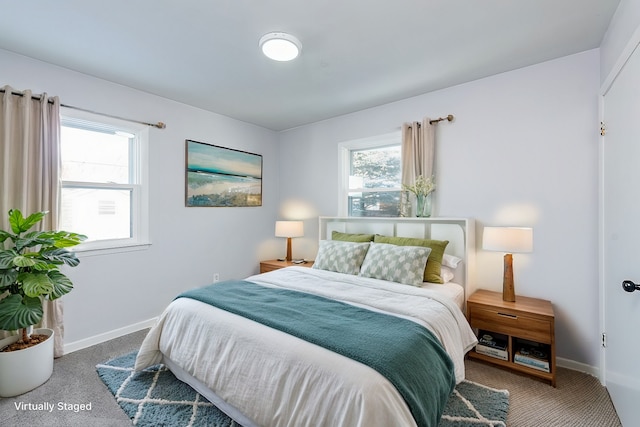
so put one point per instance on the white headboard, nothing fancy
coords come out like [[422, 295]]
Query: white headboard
[[460, 232]]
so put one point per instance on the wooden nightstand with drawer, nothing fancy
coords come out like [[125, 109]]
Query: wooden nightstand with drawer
[[275, 264], [528, 327]]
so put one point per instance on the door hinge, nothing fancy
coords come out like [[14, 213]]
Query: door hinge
[[604, 339], [603, 129]]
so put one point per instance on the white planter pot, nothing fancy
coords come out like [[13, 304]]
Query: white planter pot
[[23, 370]]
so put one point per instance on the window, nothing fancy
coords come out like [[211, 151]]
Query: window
[[371, 177], [103, 179]]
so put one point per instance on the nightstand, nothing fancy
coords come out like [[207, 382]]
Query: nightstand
[[275, 264], [527, 323]]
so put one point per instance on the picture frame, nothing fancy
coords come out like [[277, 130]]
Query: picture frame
[[218, 176]]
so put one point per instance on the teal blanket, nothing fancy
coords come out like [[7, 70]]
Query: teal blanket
[[407, 354]]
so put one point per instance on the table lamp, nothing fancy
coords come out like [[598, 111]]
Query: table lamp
[[289, 229], [509, 240]]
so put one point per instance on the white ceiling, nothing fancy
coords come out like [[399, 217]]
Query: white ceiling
[[356, 54]]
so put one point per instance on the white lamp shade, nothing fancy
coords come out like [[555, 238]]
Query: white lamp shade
[[508, 239], [289, 229]]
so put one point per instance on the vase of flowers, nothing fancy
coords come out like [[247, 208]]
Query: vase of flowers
[[422, 189]]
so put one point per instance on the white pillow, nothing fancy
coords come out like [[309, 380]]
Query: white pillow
[[401, 264], [446, 273], [339, 256], [450, 261]]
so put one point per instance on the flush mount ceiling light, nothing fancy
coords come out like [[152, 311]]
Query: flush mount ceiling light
[[280, 46]]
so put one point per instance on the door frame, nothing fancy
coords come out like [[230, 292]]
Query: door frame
[[630, 47]]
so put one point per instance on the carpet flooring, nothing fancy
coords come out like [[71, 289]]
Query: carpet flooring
[[578, 401], [155, 397]]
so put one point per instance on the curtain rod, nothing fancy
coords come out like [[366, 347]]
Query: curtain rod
[[434, 121], [439, 119], [159, 125]]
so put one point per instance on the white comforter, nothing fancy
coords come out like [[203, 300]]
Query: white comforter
[[278, 380]]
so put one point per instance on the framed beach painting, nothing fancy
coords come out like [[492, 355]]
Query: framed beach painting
[[222, 177]]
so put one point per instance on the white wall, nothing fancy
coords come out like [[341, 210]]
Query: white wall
[[188, 244], [523, 150]]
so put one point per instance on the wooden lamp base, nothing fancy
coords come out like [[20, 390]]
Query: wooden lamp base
[[289, 257], [508, 289]]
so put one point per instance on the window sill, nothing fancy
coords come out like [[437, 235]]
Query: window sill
[[128, 247]]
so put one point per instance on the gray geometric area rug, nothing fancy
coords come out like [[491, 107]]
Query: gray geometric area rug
[[155, 397]]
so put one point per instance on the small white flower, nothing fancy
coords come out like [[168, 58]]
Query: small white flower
[[422, 187]]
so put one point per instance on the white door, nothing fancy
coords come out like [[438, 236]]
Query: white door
[[621, 239]]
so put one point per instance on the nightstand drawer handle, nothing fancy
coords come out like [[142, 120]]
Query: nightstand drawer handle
[[511, 316]]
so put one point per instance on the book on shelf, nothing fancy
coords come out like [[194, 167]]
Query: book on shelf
[[493, 352], [541, 365], [492, 344], [492, 339], [531, 354]]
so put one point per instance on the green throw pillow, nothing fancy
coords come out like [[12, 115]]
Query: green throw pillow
[[347, 237], [434, 262]]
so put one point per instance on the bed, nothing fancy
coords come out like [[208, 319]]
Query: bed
[[317, 346]]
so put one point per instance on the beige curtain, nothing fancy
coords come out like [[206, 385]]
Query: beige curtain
[[29, 171], [418, 155]]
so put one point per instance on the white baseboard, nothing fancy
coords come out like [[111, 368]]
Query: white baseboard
[[578, 366], [116, 333]]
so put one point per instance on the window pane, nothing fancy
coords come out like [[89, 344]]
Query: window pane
[[376, 168], [97, 213], [94, 156], [375, 203]]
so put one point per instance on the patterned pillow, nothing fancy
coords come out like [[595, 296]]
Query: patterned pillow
[[432, 270], [342, 257], [402, 264]]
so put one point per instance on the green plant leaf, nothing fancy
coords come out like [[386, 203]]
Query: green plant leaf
[[7, 277], [65, 239], [4, 236], [32, 239], [35, 284], [22, 261], [41, 265], [61, 284], [66, 243], [17, 312], [39, 262], [15, 220], [6, 258], [19, 224], [61, 256]]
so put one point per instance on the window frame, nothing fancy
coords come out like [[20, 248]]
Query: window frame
[[344, 164], [139, 185]]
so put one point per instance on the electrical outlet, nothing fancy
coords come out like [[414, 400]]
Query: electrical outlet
[[216, 277]]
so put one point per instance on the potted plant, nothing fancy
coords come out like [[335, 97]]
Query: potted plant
[[30, 274]]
